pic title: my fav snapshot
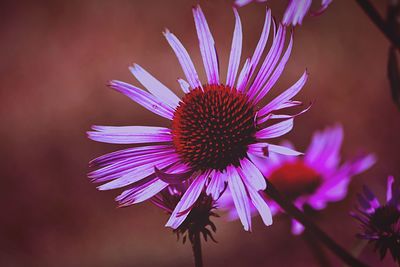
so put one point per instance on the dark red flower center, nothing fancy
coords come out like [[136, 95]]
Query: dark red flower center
[[294, 179], [212, 127]]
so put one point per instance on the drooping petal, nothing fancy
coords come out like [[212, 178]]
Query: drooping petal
[[207, 46], [264, 150], [139, 194], [287, 95], [128, 165], [252, 175], [236, 51], [144, 99], [184, 59], [184, 85], [323, 152], [188, 199], [174, 177], [324, 6], [239, 196], [241, 3], [389, 192], [154, 86], [124, 154], [130, 134], [258, 201], [136, 174], [297, 227], [275, 130], [296, 11], [216, 185]]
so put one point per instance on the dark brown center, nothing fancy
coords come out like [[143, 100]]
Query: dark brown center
[[212, 127], [295, 179]]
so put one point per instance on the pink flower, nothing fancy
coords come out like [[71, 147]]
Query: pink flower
[[313, 179], [380, 223], [295, 11], [215, 128]]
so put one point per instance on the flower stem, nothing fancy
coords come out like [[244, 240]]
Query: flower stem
[[290, 209], [316, 249], [196, 247], [379, 22]]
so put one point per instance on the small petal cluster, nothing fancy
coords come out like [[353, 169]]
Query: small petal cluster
[[295, 11], [199, 217], [313, 179], [216, 127], [380, 223]]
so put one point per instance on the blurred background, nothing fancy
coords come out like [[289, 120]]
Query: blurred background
[[55, 60]]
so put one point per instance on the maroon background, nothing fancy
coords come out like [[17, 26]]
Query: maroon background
[[55, 59]]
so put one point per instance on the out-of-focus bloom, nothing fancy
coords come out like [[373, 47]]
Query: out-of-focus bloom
[[199, 217], [381, 223], [215, 127], [313, 179], [295, 11], [240, 3]]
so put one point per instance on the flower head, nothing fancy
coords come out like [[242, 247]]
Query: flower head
[[199, 218], [295, 11], [381, 223], [313, 179], [215, 127]]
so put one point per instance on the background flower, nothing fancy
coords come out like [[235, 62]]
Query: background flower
[[296, 10], [380, 223], [314, 179]]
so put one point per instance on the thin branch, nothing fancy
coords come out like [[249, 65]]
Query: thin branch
[[379, 22]]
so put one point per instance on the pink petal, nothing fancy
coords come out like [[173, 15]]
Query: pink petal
[[154, 86], [239, 196], [207, 46], [130, 134], [144, 99], [187, 201], [184, 85], [252, 175], [283, 98], [140, 194], [184, 59], [277, 73], [275, 130], [236, 51]]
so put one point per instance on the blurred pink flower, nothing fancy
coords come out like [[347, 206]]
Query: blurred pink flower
[[295, 11], [215, 127], [314, 179]]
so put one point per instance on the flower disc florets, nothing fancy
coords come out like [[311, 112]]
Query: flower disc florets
[[295, 179], [213, 126]]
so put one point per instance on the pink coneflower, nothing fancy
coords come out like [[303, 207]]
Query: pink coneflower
[[215, 127], [313, 179], [295, 11], [380, 223]]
